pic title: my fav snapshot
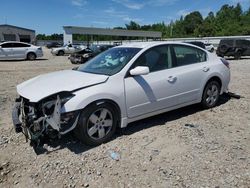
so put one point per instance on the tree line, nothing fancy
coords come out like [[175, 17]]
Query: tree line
[[228, 21]]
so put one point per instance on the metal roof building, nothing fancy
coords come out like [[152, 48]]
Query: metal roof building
[[14, 33], [70, 30]]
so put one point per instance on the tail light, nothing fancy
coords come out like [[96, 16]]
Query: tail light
[[225, 62]]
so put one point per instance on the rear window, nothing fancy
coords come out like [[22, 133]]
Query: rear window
[[186, 55], [227, 42], [243, 43]]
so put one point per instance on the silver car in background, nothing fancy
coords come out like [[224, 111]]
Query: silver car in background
[[67, 49], [13, 50]]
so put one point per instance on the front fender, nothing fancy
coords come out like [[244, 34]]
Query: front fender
[[89, 95]]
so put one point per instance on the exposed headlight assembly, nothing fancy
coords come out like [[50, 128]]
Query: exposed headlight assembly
[[49, 105]]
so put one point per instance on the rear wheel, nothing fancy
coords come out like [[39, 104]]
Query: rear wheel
[[97, 124], [31, 56], [211, 94]]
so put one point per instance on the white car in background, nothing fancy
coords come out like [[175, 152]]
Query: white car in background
[[209, 47], [13, 50], [121, 85]]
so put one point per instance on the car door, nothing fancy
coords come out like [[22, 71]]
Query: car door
[[167, 85], [6, 51], [190, 70], [70, 49], [20, 50], [143, 92]]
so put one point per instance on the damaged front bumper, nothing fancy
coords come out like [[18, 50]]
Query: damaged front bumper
[[42, 121]]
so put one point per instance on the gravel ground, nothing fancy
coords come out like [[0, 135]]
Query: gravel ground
[[189, 147]]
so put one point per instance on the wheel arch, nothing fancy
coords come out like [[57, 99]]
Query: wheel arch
[[110, 102], [213, 78]]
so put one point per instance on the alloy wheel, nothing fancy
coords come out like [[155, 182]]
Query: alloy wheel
[[212, 95], [99, 124]]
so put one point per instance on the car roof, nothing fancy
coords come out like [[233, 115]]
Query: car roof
[[151, 44], [15, 42]]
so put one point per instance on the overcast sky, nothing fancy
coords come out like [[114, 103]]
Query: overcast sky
[[48, 16]]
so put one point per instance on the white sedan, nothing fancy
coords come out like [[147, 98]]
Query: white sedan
[[13, 50], [209, 47], [119, 86]]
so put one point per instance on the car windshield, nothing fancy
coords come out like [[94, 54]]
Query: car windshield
[[109, 62]]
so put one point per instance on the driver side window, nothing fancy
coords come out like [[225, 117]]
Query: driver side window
[[157, 58]]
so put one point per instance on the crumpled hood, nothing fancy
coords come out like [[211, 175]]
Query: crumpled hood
[[45, 85]]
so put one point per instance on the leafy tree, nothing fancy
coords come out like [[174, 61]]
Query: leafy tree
[[207, 28], [178, 29], [133, 26], [192, 21]]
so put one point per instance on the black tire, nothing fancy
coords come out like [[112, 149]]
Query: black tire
[[212, 50], [73, 62], [237, 54], [31, 56], [211, 94], [61, 53], [93, 134]]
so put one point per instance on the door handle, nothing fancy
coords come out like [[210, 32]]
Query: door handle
[[171, 79], [205, 69]]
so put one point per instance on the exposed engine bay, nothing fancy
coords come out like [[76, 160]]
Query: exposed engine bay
[[42, 121]]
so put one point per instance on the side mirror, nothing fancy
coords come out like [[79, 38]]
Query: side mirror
[[140, 70]]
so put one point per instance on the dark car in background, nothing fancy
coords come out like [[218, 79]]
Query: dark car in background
[[198, 43], [233, 47], [81, 56], [88, 53], [53, 45], [100, 48]]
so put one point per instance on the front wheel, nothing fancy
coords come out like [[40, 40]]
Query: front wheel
[[97, 124], [60, 53], [211, 94], [31, 56]]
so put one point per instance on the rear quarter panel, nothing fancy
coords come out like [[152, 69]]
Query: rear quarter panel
[[218, 69]]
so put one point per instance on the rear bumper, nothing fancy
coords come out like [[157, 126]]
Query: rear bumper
[[226, 81]]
